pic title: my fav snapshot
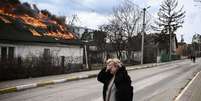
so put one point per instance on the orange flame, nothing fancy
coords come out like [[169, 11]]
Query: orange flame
[[4, 19], [61, 33], [1, 11], [27, 19], [33, 21], [34, 32]]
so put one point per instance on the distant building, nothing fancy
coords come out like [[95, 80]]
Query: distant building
[[95, 42], [182, 48]]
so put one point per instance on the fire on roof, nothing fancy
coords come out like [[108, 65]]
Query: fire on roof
[[34, 19]]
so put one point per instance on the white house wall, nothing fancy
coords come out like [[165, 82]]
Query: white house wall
[[72, 54]]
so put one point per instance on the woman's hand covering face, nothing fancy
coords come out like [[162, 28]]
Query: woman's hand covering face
[[112, 67]]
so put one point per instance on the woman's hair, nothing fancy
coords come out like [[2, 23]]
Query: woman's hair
[[114, 60]]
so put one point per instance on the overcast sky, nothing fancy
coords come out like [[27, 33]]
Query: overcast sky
[[92, 13]]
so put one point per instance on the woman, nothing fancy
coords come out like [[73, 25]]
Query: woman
[[117, 83]]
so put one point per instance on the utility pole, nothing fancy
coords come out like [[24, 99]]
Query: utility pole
[[143, 33], [170, 33], [86, 56]]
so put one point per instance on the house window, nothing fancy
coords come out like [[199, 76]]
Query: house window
[[7, 53], [73, 30], [3, 53], [10, 52], [46, 52]]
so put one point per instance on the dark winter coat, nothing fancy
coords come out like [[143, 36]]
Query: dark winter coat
[[124, 90]]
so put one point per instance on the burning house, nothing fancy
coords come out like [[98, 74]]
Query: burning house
[[26, 31]]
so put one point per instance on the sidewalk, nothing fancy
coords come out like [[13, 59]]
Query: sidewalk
[[192, 92], [22, 84]]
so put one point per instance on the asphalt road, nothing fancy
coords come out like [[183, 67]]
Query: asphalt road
[[160, 83]]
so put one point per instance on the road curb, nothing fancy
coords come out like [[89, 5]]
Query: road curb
[[44, 83], [8, 90], [185, 89], [72, 78]]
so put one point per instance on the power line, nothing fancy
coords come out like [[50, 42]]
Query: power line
[[147, 12]]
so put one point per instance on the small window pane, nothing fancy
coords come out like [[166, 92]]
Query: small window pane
[[11, 52], [46, 52], [3, 53]]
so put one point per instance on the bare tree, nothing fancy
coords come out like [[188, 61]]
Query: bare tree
[[115, 36], [128, 15], [170, 18], [124, 24]]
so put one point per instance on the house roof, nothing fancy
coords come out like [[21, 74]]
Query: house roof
[[24, 27], [10, 33]]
